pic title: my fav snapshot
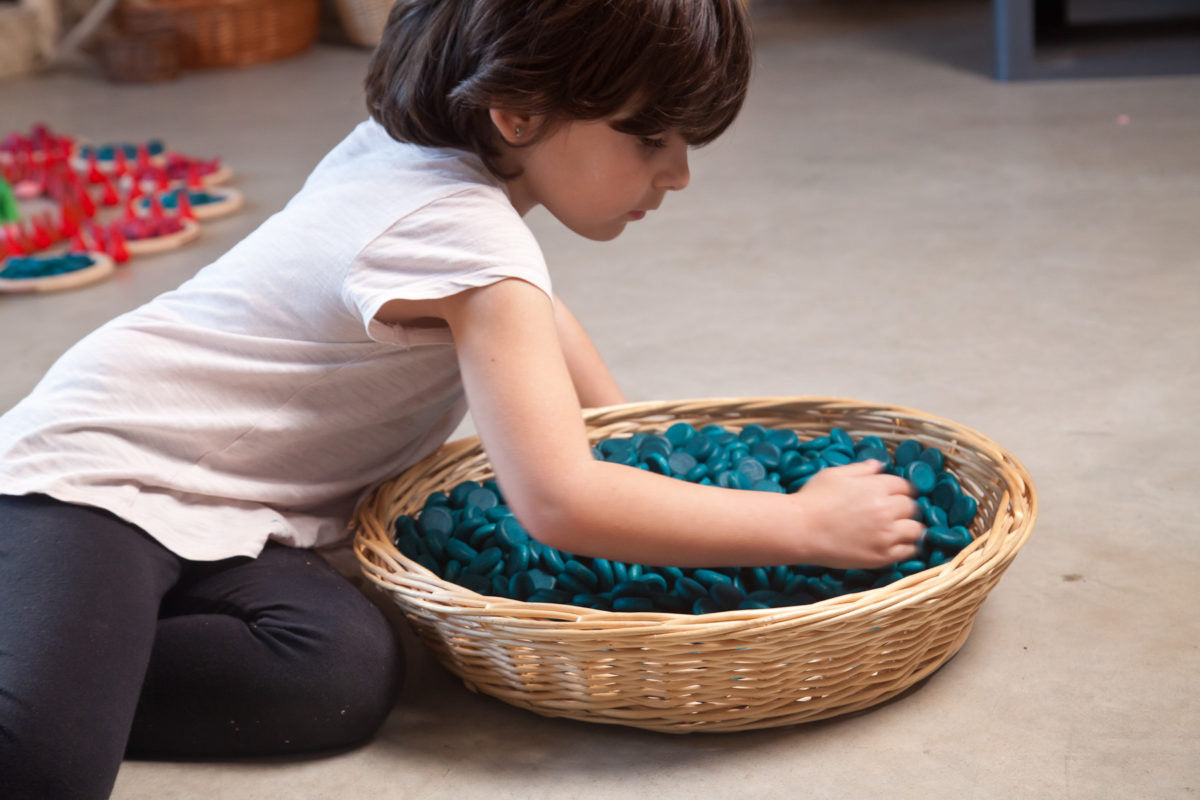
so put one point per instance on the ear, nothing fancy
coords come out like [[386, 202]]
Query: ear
[[514, 128]]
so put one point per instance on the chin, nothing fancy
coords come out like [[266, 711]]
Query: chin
[[595, 231], [601, 233]]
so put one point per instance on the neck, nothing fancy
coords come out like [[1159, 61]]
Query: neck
[[518, 195]]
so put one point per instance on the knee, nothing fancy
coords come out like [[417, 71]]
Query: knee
[[362, 677], [368, 690]]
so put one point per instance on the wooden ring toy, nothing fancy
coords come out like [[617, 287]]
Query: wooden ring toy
[[101, 267]]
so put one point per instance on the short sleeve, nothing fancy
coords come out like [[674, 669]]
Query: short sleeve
[[471, 238]]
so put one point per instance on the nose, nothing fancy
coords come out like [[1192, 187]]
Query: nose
[[674, 174]]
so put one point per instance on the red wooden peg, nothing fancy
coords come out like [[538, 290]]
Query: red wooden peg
[[184, 204], [14, 240], [41, 237], [69, 221], [116, 245], [156, 208], [111, 197], [194, 179], [87, 206], [94, 173], [78, 244]]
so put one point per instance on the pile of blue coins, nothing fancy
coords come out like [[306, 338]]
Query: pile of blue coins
[[24, 267], [468, 536]]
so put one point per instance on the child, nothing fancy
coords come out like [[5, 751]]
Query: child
[[167, 477]]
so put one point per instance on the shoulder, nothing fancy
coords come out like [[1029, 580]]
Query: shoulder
[[465, 218], [370, 154], [462, 239]]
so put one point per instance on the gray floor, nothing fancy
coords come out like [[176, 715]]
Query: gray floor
[[886, 223]]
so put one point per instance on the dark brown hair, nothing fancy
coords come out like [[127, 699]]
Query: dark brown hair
[[442, 64]]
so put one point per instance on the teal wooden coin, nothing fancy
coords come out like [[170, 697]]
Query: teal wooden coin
[[604, 572], [836, 456], [962, 512], [483, 563], [460, 551], [681, 463], [482, 499], [920, 475], [632, 604], [436, 519], [581, 573], [933, 457], [944, 493], [752, 468], [690, 588], [680, 434], [907, 452]]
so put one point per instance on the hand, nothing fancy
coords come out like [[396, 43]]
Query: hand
[[859, 517]]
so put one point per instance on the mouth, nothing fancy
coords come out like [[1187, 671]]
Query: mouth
[[636, 215]]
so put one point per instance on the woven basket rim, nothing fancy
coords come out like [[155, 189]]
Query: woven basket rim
[[378, 556]]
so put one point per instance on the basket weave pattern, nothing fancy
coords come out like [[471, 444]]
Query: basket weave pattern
[[147, 56], [734, 670], [229, 33]]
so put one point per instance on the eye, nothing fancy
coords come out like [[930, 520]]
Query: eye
[[653, 142]]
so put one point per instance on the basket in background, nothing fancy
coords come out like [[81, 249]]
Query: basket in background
[[144, 57], [734, 670], [228, 33]]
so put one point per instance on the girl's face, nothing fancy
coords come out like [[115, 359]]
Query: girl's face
[[595, 179]]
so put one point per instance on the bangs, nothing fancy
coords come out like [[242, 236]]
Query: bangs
[[682, 65], [694, 68]]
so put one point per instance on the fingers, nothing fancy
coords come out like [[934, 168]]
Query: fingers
[[909, 534], [909, 531], [868, 467], [897, 485], [894, 484], [903, 507]]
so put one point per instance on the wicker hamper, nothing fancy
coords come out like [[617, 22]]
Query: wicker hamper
[[734, 670], [140, 58], [228, 33]]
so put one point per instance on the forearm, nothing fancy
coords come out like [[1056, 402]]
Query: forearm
[[594, 383], [626, 514]]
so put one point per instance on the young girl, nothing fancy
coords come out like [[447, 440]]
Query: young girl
[[164, 482]]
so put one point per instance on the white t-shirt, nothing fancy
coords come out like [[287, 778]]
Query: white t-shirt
[[261, 399]]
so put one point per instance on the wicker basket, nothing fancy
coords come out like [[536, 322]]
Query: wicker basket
[[228, 33], [140, 58], [363, 20], [734, 670]]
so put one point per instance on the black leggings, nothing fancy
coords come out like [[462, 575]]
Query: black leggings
[[112, 645]]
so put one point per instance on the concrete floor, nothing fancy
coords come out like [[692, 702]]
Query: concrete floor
[[886, 223]]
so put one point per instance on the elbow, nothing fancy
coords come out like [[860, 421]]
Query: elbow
[[549, 521], [553, 512]]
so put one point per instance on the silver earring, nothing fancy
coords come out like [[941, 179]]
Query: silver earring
[[518, 131]]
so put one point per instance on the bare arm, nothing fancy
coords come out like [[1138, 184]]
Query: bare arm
[[526, 410], [593, 382]]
